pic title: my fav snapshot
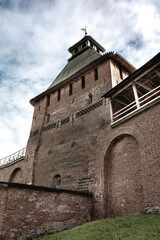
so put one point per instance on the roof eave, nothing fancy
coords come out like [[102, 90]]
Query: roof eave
[[101, 59], [85, 38], [134, 75]]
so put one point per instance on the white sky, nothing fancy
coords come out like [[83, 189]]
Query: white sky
[[35, 36]]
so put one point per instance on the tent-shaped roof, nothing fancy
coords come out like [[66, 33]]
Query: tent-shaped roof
[[86, 54], [83, 53], [76, 64]]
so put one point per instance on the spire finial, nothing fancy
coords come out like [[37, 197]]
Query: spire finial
[[85, 30]]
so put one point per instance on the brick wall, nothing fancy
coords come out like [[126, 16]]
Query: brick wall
[[129, 163], [119, 165], [30, 211], [69, 149], [112, 163], [19, 171]]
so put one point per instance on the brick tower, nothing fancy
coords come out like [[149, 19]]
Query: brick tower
[[64, 143]]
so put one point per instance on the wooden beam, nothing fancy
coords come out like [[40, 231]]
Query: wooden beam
[[128, 98], [135, 95], [142, 85], [138, 90], [152, 83], [125, 104], [111, 109]]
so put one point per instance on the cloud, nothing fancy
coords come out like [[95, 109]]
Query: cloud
[[35, 36]]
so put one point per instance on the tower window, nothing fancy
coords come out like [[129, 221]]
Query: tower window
[[48, 117], [83, 82], [56, 181], [84, 44], [59, 94], [90, 98], [96, 74], [70, 89], [48, 100], [91, 45]]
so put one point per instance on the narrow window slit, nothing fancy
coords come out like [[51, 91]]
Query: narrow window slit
[[83, 82]]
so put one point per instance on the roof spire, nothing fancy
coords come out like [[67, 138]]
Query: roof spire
[[85, 30]]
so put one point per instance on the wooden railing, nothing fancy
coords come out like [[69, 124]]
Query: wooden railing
[[143, 101], [13, 157]]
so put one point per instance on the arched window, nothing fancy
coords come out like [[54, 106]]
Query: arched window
[[90, 98], [56, 181]]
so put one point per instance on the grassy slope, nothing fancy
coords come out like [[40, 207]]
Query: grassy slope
[[136, 227]]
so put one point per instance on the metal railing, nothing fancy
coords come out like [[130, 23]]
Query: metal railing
[[13, 157]]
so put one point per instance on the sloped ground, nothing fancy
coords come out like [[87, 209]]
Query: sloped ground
[[136, 227]]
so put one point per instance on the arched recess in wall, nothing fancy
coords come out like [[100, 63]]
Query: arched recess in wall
[[16, 176], [122, 177], [89, 99], [56, 181]]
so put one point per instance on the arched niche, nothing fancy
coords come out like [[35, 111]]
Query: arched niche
[[56, 181], [122, 177], [16, 176]]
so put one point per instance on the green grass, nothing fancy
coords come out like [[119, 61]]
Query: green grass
[[136, 227]]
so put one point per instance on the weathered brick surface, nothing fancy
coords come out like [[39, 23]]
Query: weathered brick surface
[[68, 150], [112, 163], [20, 171], [129, 163], [29, 211], [73, 138]]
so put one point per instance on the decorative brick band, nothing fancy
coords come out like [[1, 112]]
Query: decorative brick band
[[50, 126], [89, 109], [66, 120]]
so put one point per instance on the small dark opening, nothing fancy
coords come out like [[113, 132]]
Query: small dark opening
[[90, 98], [59, 94], [70, 89], [96, 74], [84, 44], [48, 117], [76, 50], [56, 181], [83, 82], [48, 100]]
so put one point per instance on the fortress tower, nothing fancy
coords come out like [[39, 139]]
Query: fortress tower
[[64, 142], [94, 135]]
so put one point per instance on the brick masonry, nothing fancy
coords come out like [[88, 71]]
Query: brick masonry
[[112, 163], [72, 138], [20, 171], [28, 211]]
